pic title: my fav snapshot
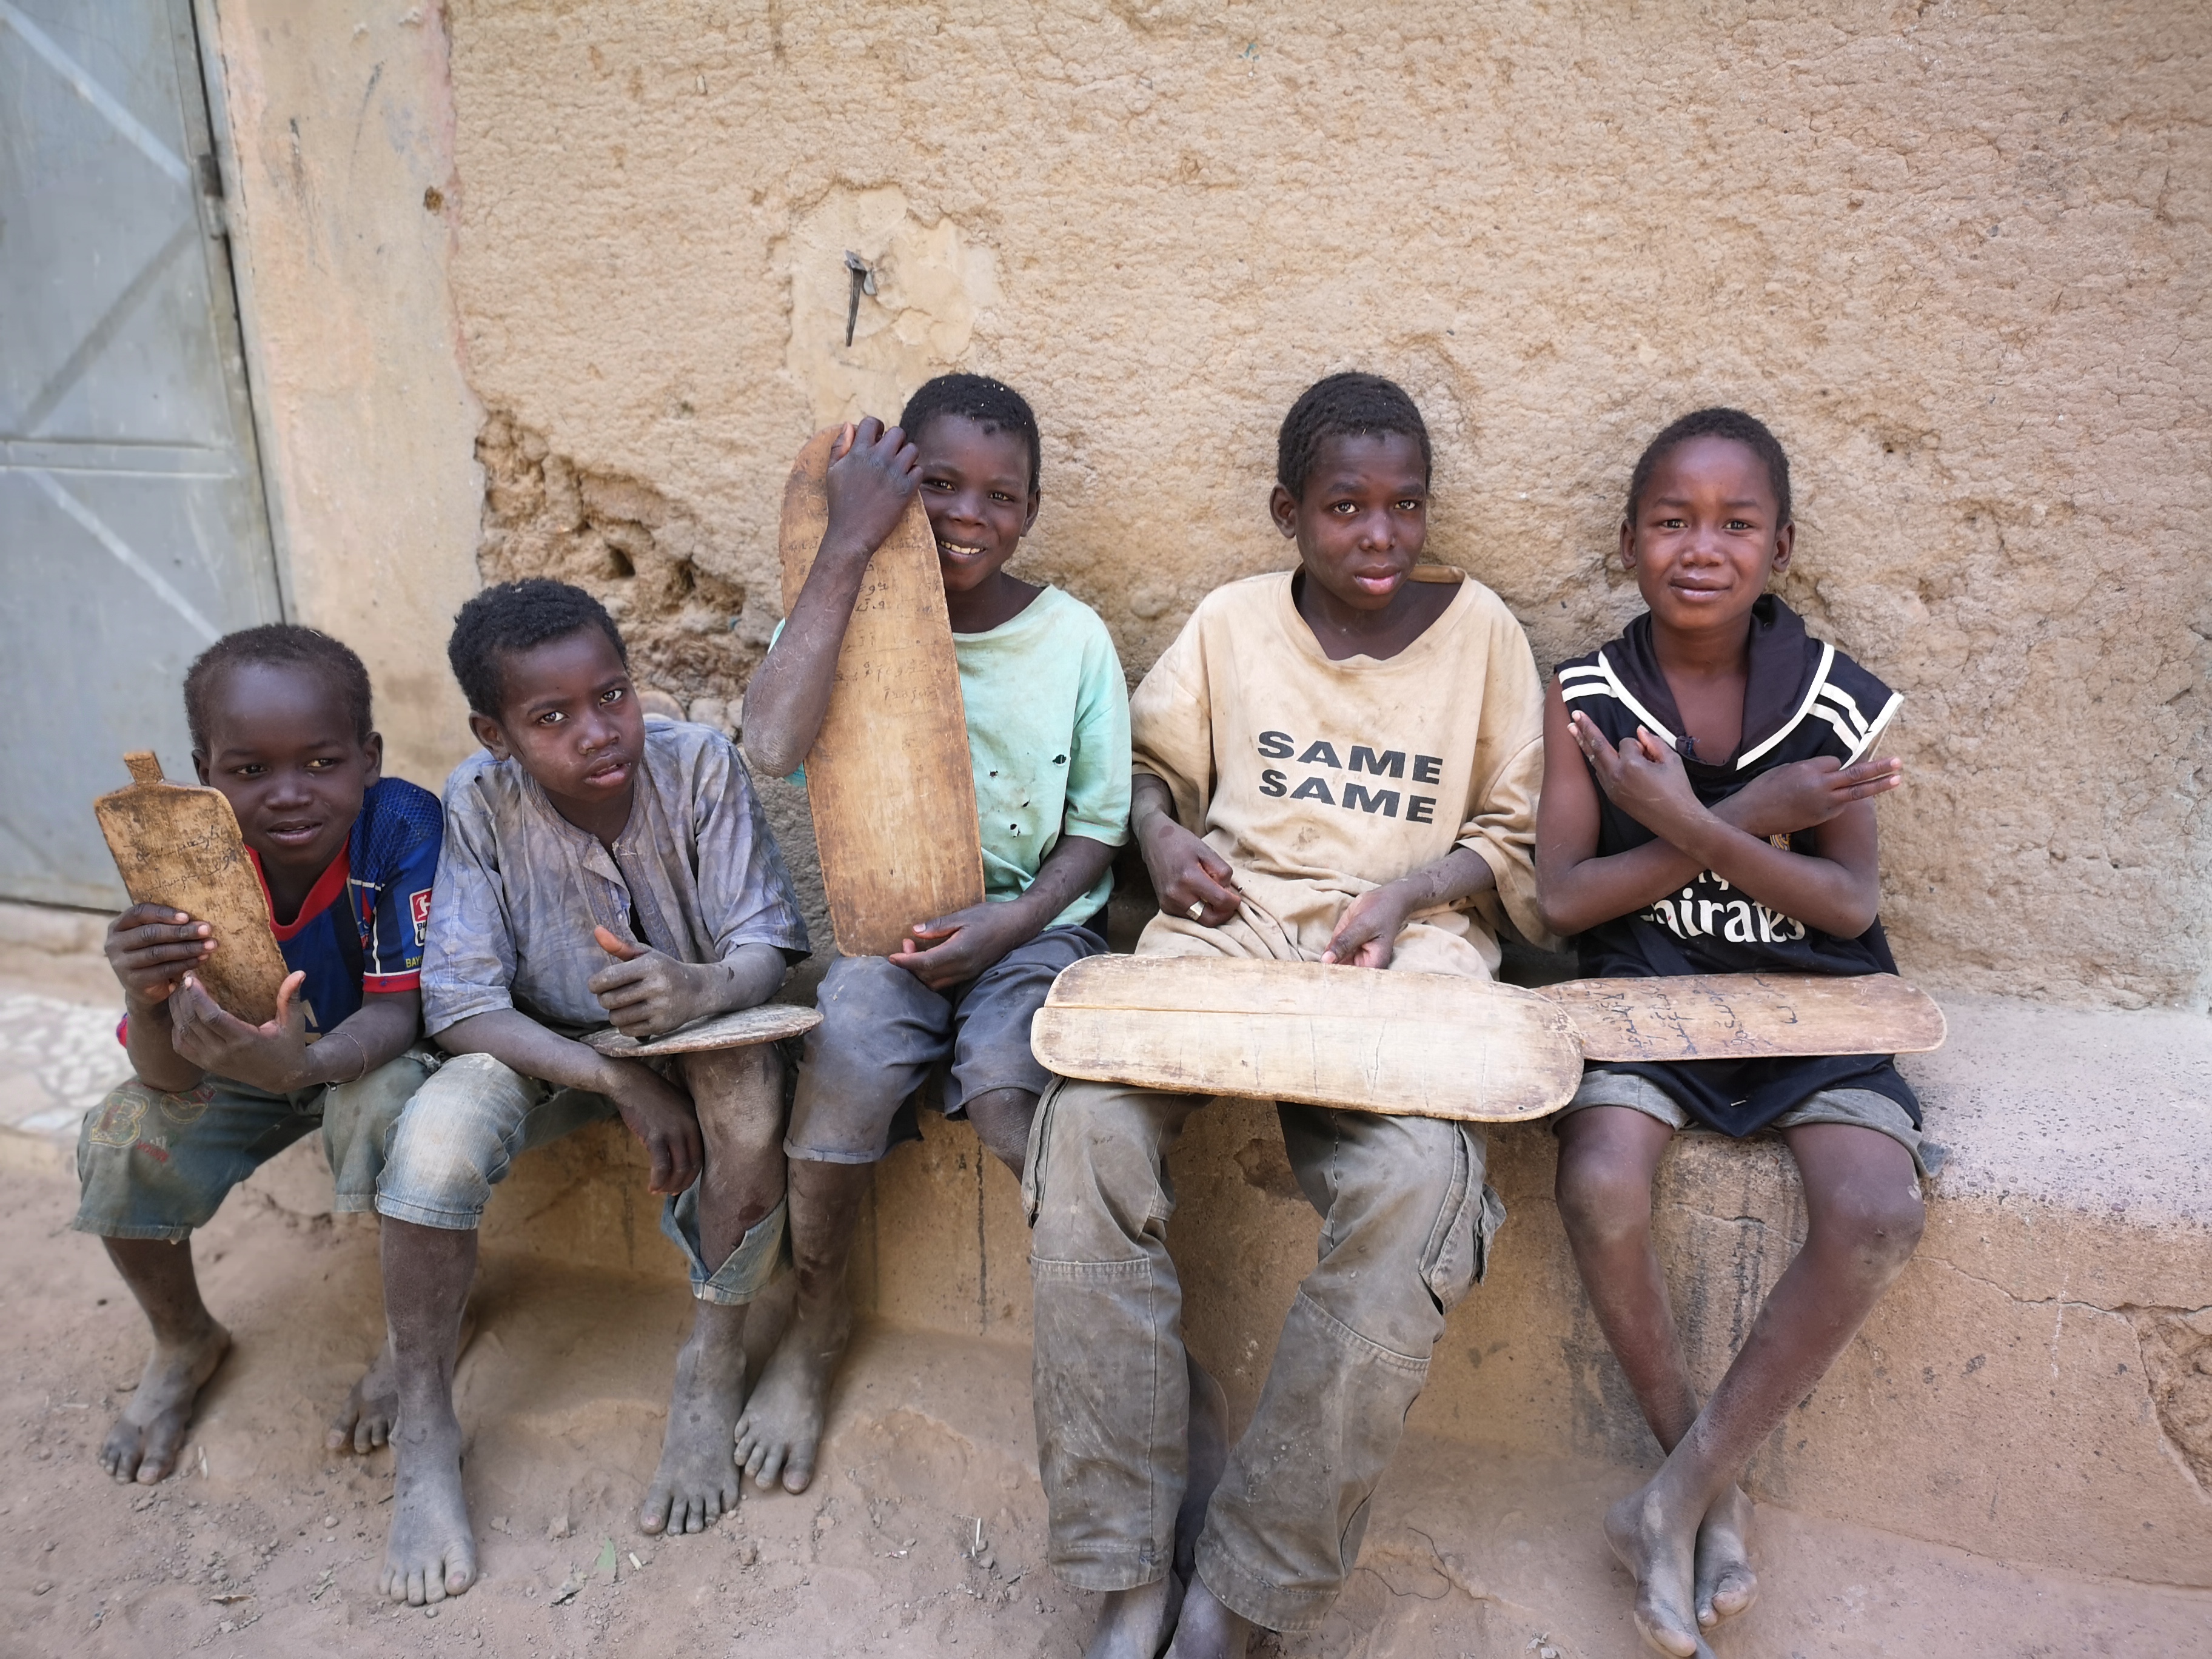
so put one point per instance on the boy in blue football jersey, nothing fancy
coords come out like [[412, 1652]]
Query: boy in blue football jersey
[[280, 724]]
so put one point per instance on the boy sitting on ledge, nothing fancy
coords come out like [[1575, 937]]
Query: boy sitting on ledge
[[280, 722], [596, 868], [1708, 783], [1338, 763], [1049, 740]]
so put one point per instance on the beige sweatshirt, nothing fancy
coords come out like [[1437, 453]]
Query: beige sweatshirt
[[1318, 780]]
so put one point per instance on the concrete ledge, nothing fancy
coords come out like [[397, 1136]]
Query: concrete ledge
[[2038, 1387]]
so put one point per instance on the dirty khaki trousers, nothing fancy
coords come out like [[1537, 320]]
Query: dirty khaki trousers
[[1406, 1223]]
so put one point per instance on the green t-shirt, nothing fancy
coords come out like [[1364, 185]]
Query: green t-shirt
[[1048, 713], [1048, 733]]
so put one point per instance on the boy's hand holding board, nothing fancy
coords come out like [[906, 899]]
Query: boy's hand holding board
[[179, 853], [888, 777], [657, 1012]]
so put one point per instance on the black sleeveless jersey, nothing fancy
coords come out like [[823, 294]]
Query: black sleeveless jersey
[[1802, 698]]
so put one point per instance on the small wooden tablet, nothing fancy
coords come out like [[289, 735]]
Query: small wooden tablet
[[888, 779], [1427, 1045], [1749, 1016], [768, 1022], [179, 845]]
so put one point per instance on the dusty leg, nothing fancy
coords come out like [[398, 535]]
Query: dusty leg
[[188, 1345], [1207, 1629], [1209, 1456], [432, 1551], [371, 1404], [739, 1095], [782, 1428], [1608, 1157], [1135, 1624], [1863, 1220], [1001, 1117]]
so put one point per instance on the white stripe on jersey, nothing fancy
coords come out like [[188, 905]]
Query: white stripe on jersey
[[1820, 679], [1844, 701], [1843, 727], [1881, 724], [1650, 722]]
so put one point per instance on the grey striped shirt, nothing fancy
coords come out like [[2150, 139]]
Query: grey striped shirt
[[519, 888]]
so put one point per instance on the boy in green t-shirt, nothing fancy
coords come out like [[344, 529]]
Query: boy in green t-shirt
[[1048, 715]]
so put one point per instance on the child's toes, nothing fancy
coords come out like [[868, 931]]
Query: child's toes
[[799, 1471]]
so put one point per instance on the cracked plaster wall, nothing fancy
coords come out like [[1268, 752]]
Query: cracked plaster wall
[[1955, 252]]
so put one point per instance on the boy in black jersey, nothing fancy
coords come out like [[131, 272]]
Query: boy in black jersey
[[1706, 809]]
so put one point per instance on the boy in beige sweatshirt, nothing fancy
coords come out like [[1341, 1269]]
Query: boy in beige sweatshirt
[[1335, 764]]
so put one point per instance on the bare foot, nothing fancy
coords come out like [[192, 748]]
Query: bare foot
[[1726, 1584], [1660, 1555], [1135, 1624], [432, 1552], [697, 1482], [143, 1443], [781, 1427], [1207, 1629], [364, 1422], [371, 1404]]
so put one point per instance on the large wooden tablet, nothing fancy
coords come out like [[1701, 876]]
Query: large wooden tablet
[[1749, 1016], [1428, 1045], [888, 779], [770, 1021], [179, 845]]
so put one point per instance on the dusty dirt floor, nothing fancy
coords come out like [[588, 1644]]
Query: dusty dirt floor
[[922, 1533], [921, 1536]]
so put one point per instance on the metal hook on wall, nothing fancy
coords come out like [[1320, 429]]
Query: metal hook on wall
[[864, 281]]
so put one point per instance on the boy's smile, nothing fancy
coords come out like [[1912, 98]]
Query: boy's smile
[[976, 487], [283, 751], [569, 714], [1704, 539]]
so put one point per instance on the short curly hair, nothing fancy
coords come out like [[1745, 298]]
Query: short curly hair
[[1344, 406], [515, 617], [280, 645], [991, 404], [1716, 422]]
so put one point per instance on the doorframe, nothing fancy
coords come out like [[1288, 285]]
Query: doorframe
[[197, 32]]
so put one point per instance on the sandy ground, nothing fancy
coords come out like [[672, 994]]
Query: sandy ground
[[922, 1535]]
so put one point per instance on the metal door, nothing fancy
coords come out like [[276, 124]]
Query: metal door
[[132, 526]]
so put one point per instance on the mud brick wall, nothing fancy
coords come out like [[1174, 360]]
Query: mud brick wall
[[1955, 254]]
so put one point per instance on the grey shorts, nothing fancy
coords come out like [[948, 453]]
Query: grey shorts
[[462, 1132], [1862, 1108], [883, 1032]]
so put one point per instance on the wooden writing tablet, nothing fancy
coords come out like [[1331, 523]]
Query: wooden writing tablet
[[179, 845], [1749, 1016], [769, 1022], [889, 778], [1427, 1045]]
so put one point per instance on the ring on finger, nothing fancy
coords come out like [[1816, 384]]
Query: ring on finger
[[1197, 910]]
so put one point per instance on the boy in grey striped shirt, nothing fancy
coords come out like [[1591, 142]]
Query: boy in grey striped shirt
[[595, 870]]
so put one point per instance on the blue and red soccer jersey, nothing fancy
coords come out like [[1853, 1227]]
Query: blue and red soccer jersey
[[360, 928]]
